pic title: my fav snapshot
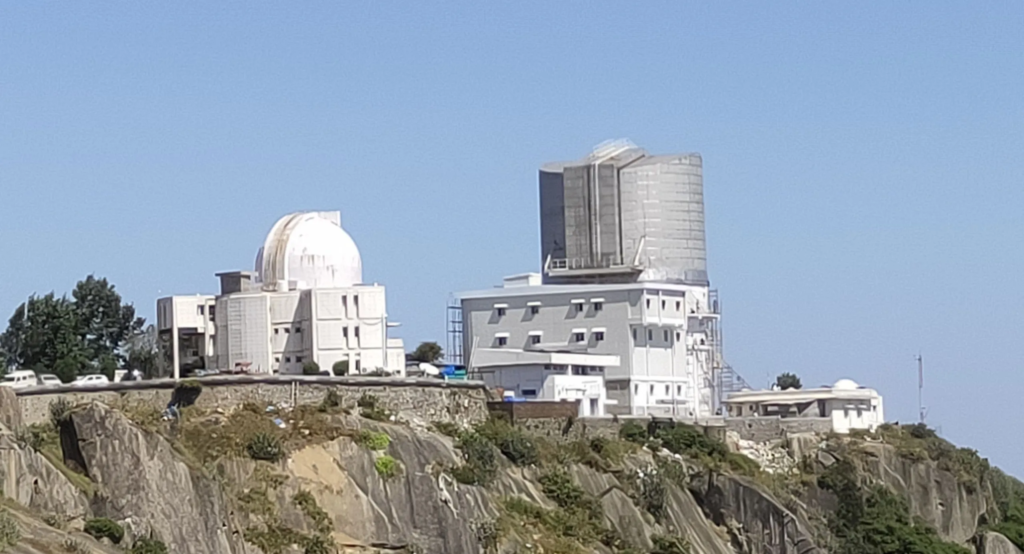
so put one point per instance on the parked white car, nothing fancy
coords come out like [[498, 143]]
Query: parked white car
[[49, 380], [94, 380], [19, 379]]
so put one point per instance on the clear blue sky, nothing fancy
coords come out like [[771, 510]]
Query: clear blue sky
[[863, 162]]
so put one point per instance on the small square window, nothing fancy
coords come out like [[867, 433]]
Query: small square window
[[534, 339], [287, 330], [598, 306], [534, 310], [276, 331], [599, 336], [277, 360], [579, 308], [579, 337], [287, 360], [501, 312], [502, 341], [298, 329], [298, 359]]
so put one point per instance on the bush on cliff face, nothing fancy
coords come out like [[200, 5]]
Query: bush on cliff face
[[917, 442], [149, 546], [387, 467], [373, 440], [266, 447], [664, 544], [103, 528], [9, 532], [480, 460], [514, 443], [874, 520]]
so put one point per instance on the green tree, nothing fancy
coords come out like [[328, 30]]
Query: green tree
[[340, 368], [311, 368], [788, 381], [105, 322], [427, 352], [43, 331]]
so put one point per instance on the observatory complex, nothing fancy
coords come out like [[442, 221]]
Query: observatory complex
[[304, 302], [621, 316]]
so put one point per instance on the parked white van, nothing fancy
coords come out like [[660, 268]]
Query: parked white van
[[19, 379]]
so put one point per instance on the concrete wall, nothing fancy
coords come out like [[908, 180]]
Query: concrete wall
[[761, 429], [427, 400]]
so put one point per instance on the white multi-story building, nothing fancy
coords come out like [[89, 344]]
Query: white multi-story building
[[624, 274], [845, 405], [662, 333], [304, 303]]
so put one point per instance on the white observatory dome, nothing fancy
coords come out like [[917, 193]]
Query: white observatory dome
[[309, 250], [845, 384]]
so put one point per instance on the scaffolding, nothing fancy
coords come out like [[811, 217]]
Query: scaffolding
[[725, 379], [453, 326]]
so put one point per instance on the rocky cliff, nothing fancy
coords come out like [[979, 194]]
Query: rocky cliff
[[352, 476]]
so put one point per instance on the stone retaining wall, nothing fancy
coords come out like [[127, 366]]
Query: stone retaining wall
[[426, 400], [763, 429]]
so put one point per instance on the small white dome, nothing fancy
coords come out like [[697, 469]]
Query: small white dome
[[845, 384], [309, 250]]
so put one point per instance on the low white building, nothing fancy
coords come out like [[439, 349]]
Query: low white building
[[846, 404], [540, 375], [662, 333], [305, 302]]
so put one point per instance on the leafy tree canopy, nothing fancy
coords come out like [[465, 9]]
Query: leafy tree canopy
[[788, 381], [427, 352]]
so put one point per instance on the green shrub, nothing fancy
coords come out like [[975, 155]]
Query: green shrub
[[149, 546], [652, 492], [447, 428], [340, 368], [265, 446], [331, 401], [186, 392], [370, 408], [558, 486], [311, 368], [687, 440], [10, 534], [386, 466], [101, 527], [480, 460], [373, 440], [60, 411], [513, 443], [670, 545], [633, 432], [318, 544], [305, 502], [610, 450]]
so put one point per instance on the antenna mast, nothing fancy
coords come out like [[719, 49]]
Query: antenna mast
[[921, 411]]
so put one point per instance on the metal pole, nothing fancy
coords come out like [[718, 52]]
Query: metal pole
[[920, 388]]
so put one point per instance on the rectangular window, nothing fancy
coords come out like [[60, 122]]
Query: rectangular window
[[599, 336], [359, 365], [501, 312], [667, 392], [667, 335], [287, 330], [650, 334], [634, 334], [213, 312], [579, 337], [636, 390], [298, 329], [502, 341], [578, 308], [534, 310], [287, 359], [679, 305], [200, 310], [534, 339], [276, 331], [344, 302], [648, 303], [679, 335], [355, 332], [652, 390], [530, 393], [679, 390], [298, 359], [344, 332], [662, 304], [355, 300], [277, 360], [598, 306]]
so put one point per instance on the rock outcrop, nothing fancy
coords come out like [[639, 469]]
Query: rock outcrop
[[31, 480], [141, 477], [994, 543], [934, 495], [10, 410]]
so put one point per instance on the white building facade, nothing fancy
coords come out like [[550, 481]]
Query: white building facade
[[846, 405], [662, 334], [305, 302]]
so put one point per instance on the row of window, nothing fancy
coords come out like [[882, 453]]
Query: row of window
[[534, 310], [201, 310], [664, 304], [288, 330], [668, 390], [665, 333], [535, 338]]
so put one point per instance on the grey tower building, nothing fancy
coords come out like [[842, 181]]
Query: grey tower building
[[621, 215]]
